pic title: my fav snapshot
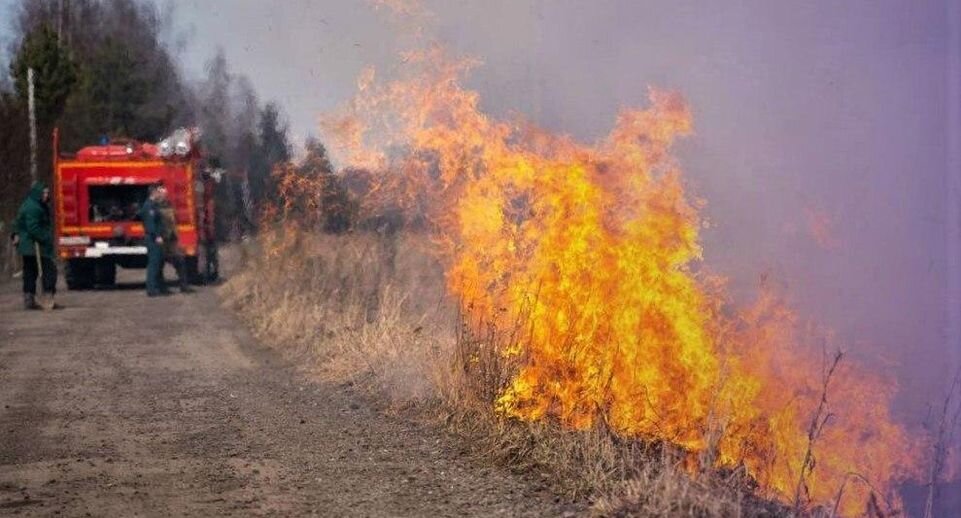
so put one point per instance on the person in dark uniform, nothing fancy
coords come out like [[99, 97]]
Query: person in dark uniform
[[160, 233], [34, 240], [208, 226], [153, 235]]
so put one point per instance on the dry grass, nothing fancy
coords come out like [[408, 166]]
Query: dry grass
[[372, 310], [365, 308]]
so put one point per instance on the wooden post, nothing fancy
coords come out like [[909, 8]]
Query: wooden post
[[31, 102], [60, 22]]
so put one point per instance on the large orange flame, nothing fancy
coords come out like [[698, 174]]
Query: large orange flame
[[596, 249]]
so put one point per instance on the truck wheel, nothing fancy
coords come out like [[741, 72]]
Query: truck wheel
[[105, 272], [79, 274]]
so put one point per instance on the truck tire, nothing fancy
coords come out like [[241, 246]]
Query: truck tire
[[105, 272], [80, 274]]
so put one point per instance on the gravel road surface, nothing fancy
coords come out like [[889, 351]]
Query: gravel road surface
[[120, 405]]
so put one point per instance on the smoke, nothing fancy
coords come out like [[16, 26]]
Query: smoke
[[820, 228]]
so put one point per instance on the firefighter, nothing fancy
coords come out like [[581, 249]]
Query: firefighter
[[160, 229], [34, 239], [153, 235], [208, 228], [172, 252]]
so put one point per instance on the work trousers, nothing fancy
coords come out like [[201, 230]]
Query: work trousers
[[31, 272], [211, 262], [156, 258]]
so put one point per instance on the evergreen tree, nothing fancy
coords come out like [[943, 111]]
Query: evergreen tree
[[55, 74], [274, 149], [339, 209], [126, 82], [214, 114]]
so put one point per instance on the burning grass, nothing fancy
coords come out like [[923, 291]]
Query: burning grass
[[372, 310], [550, 295]]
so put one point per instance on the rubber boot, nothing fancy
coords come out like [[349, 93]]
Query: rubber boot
[[182, 276], [30, 302]]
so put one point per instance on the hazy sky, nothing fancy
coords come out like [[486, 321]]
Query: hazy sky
[[822, 127]]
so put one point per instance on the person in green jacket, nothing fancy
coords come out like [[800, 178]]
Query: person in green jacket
[[34, 227]]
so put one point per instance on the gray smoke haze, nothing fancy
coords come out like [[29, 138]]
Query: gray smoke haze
[[826, 136]]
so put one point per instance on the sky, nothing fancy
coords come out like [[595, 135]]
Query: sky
[[6, 14], [825, 137]]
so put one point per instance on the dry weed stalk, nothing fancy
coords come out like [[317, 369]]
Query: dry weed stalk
[[947, 426], [818, 421], [873, 508]]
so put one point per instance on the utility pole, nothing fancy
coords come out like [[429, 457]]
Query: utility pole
[[60, 22], [67, 24], [31, 103]]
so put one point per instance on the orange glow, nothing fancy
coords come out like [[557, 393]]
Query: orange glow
[[596, 249]]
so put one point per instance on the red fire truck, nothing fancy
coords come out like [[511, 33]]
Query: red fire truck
[[98, 192]]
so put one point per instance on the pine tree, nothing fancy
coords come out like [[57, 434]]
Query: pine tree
[[55, 74], [274, 149]]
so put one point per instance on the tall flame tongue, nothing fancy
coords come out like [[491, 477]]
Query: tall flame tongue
[[592, 247]]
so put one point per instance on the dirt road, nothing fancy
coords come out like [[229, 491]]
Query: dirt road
[[121, 405]]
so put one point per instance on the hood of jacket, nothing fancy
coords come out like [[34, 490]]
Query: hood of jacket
[[36, 191]]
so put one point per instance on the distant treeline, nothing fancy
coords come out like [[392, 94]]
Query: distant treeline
[[108, 69]]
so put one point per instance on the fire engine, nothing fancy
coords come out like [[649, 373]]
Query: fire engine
[[98, 192]]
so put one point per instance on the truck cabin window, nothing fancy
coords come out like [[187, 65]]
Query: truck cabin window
[[116, 202]]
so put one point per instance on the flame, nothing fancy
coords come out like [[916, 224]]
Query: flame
[[596, 248]]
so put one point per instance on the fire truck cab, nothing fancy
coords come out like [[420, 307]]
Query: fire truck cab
[[98, 192]]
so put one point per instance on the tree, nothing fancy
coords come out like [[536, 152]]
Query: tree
[[315, 158], [14, 168], [339, 209], [215, 117], [55, 73], [274, 149], [245, 139], [129, 84], [214, 114], [244, 148], [112, 93]]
